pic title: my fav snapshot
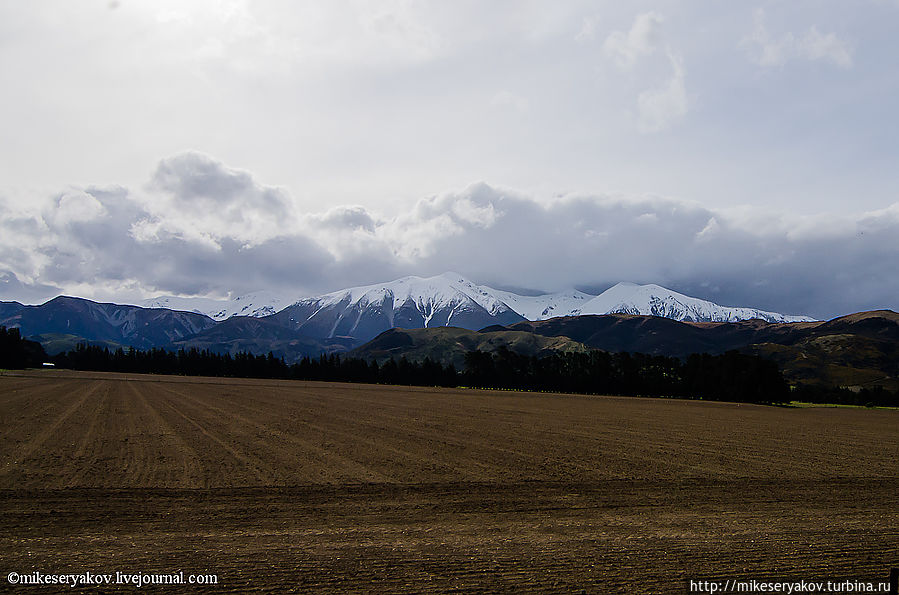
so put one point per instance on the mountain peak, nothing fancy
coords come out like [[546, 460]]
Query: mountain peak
[[452, 276], [410, 302], [655, 300]]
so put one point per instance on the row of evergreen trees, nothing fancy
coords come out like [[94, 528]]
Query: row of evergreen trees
[[195, 362], [731, 376], [187, 362]]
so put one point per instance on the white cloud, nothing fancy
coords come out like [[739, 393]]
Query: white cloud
[[811, 45], [661, 105], [588, 29], [641, 40], [195, 196], [658, 109], [815, 45], [74, 206]]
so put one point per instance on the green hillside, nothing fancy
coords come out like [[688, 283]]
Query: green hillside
[[449, 344]]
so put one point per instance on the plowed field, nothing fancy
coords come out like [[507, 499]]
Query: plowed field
[[278, 486]]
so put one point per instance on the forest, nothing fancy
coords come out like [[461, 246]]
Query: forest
[[731, 376]]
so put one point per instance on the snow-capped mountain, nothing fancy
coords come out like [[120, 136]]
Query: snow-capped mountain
[[256, 304], [343, 319], [655, 300], [549, 305], [451, 300], [410, 302]]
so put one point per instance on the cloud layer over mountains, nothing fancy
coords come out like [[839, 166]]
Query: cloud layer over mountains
[[199, 227]]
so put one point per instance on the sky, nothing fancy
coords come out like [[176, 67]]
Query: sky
[[745, 153]]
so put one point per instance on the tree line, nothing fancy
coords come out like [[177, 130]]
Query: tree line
[[730, 376], [185, 362]]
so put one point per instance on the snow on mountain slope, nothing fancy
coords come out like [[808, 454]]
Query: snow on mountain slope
[[541, 307], [209, 307], [256, 304], [410, 302], [452, 300], [654, 300], [427, 293]]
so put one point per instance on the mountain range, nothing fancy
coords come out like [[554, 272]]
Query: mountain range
[[450, 299], [342, 319], [409, 317]]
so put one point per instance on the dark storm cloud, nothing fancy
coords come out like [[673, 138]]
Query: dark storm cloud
[[197, 182], [820, 266], [116, 242]]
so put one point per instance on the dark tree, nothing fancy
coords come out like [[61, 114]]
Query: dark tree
[[16, 352]]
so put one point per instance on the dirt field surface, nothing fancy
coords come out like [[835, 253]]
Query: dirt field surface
[[280, 486]]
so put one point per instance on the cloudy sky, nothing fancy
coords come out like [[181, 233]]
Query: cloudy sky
[[745, 152]]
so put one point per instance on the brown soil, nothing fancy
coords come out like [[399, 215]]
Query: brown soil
[[278, 486]]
